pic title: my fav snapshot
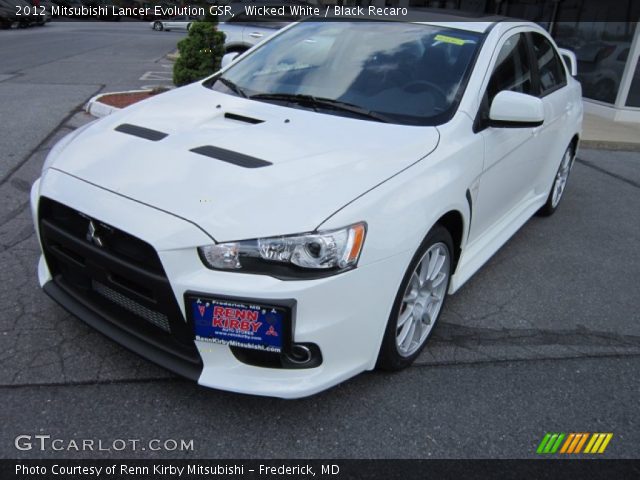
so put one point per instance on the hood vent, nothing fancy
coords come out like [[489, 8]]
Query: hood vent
[[230, 157], [136, 131], [242, 118]]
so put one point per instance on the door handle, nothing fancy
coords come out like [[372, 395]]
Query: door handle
[[256, 35]]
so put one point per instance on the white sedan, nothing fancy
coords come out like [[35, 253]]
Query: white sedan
[[243, 31], [182, 22], [301, 216]]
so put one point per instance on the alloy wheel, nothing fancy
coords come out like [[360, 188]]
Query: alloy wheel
[[561, 178], [423, 299]]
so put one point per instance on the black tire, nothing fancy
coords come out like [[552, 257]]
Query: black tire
[[157, 26], [551, 205], [188, 27], [389, 358]]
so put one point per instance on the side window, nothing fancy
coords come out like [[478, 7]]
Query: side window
[[512, 71], [550, 67]]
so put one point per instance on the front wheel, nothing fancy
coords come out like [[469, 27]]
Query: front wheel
[[559, 184], [157, 26], [418, 302]]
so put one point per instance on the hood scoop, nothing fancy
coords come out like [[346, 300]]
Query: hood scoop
[[229, 156], [136, 131], [242, 118]]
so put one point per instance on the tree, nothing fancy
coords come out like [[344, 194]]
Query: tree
[[200, 52]]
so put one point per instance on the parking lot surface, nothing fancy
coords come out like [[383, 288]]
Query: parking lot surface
[[546, 337]]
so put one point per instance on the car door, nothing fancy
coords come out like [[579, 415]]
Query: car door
[[182, 23], [173, 23], [254, 31], [168, 23], [509, 153], [550, 138]]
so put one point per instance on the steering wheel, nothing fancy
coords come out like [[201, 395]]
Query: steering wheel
[[427, 85]]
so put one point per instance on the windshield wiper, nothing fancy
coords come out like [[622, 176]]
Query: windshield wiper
[[232, 86], [321, 102]]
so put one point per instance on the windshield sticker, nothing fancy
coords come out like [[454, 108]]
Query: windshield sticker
[[452, 40]]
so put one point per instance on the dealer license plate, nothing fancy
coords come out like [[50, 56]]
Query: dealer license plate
[[239, 324]]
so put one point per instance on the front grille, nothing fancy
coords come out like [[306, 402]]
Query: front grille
[[116, 275], [119, 243]]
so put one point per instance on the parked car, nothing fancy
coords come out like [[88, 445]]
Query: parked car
[[26, 14], [601, 67], [41, 13], [8, 14], [243, 31], [47, 4], [300, 216], [181, 22]]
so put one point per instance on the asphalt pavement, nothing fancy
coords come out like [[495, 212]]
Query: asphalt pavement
[[546, 337]]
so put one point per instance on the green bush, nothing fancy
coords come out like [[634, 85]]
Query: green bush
[[200, 53]]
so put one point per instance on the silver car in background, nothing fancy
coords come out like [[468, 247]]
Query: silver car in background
[[243, 31]]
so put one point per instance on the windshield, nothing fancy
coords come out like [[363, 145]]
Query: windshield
[[403, 73]]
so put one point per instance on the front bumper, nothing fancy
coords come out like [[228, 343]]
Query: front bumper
[[344, 315]]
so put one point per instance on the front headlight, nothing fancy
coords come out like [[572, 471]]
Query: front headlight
[[308, 255]]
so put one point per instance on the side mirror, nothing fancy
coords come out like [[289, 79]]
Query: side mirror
[[570, 60], [228, 58], [516, 110]]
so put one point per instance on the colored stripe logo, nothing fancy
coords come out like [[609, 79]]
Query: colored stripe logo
[[573, 443]]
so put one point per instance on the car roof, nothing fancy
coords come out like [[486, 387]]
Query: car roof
[[460, 19], [477, 27]]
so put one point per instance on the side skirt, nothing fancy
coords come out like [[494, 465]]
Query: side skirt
[[481, 250]]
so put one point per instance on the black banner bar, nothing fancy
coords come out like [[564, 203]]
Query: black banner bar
[[583, 469]]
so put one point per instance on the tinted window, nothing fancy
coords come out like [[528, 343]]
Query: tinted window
[[550, 68], [622, 57], [512, 71]]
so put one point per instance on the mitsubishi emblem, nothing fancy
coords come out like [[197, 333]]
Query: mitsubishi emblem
[[92, 235]]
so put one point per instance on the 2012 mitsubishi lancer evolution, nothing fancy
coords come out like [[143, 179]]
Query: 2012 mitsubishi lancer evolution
[[300, 216]]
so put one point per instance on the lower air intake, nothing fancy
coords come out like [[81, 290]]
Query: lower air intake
[[156, 318]]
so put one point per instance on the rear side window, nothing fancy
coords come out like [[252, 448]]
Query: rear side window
[[512, 71], [550, 68]]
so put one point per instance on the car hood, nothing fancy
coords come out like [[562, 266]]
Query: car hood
[[317, 163]]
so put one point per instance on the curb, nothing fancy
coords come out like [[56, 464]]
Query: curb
[[609, 145], [173, 56], [98, 109]]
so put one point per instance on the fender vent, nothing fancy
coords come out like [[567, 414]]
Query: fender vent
[[242, 118], [136, 131], [230, 157]]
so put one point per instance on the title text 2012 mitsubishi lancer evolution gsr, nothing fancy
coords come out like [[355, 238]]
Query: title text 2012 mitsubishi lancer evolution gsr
[[300, 216]]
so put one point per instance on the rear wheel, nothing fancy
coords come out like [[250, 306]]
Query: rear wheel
[[559, 183], [157, 26], [419, 301]]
